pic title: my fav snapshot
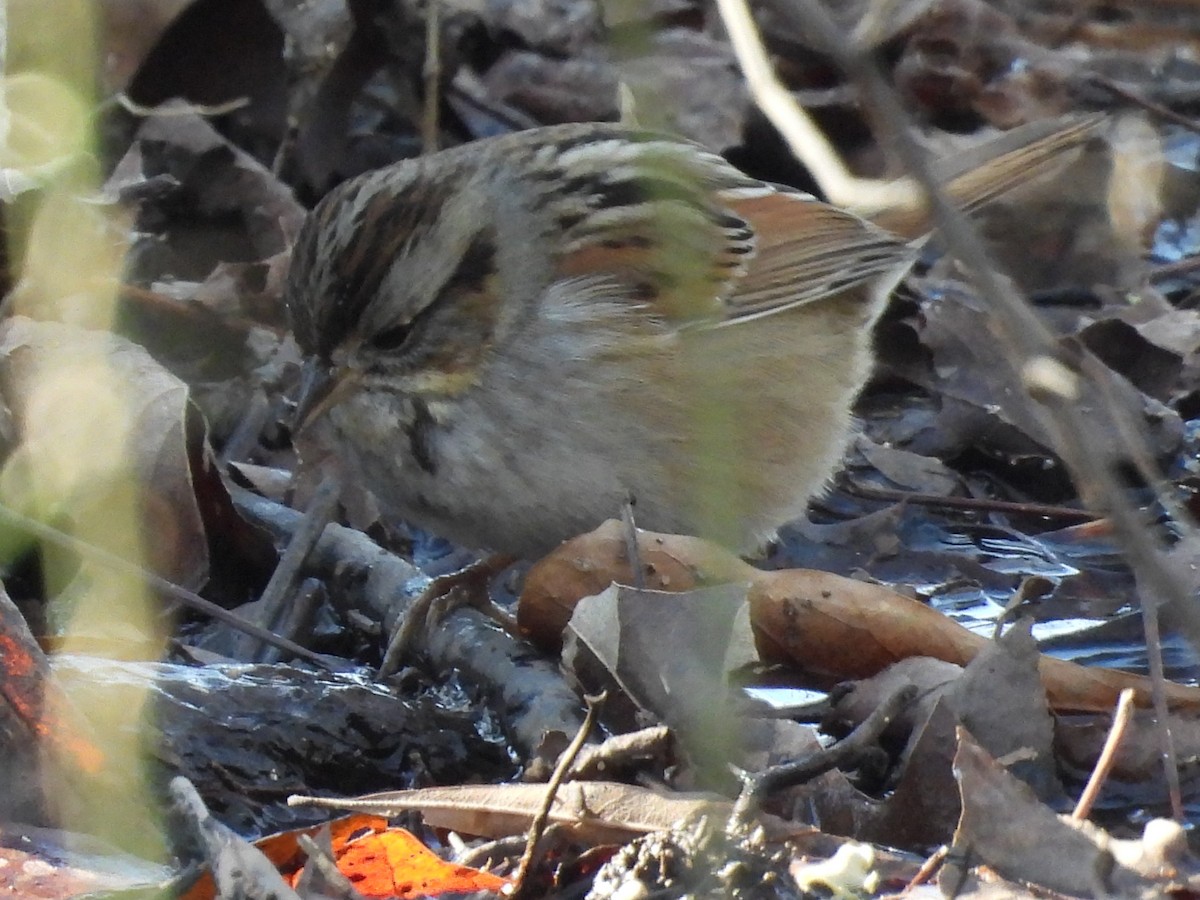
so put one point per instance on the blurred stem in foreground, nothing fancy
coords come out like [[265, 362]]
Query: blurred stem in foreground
[[70, 464]]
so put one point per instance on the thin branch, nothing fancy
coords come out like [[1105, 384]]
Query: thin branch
[[189, 598], [1164, 113], [849, 751], [967, 504], [1108, 756], [538, 826], [5, 114], [433, 76], [280, 590], [803, 138]]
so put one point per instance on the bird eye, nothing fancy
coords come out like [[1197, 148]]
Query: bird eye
[[391, 338]]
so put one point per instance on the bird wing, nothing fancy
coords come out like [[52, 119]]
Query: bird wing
[[689, 238], [806, 251]]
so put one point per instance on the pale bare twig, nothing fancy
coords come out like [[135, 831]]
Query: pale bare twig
[[931, 864], [178, 109], [538, 826], [1107, 758], [803, 138]]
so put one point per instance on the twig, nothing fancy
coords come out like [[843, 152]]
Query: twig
[[1156, 109], [847, 751], [622, 751], [1074, 437], [1108, 756], [189, 598], [465, 88], [927, 869], [432, 74], [177, 110], [249, 428], [286, 144], [969, 504], [1185, 266], [472, 578], [538, 826], [487, 855], [803, 137], [298, 615], [529, 692], [286, 576]]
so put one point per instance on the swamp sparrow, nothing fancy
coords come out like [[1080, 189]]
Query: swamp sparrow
[[512, 338]]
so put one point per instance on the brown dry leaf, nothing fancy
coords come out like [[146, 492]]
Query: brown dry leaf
[[1139, 758], [129, 29], [673, 655], [284, 851], [271, 482], [1010, 62], [239, 869], [1005, 826], [1151, 369], [828, 627], [826, 624], [931, 677], [982, 400], [395, 865], [563, 29], [553, 90], [334, 50], [195, 59], [683, 81], [588, 564], [595, 811], [1001, 701], [206, 271], [908, 470], [46, 374], [1059, 233], [1146, 29], [997, 696], [922, 809], [966, 57], [1177, 332], [921, 805], [221, 206]]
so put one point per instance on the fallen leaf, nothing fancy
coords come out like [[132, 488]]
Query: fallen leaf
[[673, 655], [1005, 826], [92, 409], [826, 627], [595, 811], [393, 863]]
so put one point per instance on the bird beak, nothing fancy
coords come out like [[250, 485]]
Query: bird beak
[[321, 388]]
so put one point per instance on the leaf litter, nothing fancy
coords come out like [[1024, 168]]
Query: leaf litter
[[309, 94]]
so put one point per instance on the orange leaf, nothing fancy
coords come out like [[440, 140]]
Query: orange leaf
[[396, 864], [283, 849]]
